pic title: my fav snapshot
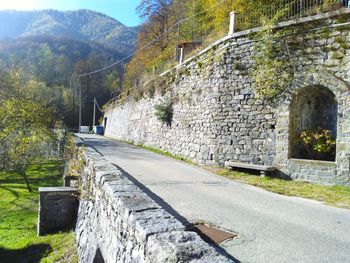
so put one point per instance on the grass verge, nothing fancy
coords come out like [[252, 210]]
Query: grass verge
[[338, 196], [165, 153], [18, 218]]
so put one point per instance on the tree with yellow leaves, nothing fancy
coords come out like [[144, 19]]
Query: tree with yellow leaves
[[26, 126]]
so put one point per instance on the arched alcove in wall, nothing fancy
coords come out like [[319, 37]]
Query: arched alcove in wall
[[98, 257], [313, 111]]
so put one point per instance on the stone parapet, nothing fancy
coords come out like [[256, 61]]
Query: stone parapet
[[119, 222]]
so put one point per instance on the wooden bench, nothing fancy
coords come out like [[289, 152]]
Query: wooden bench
[[262, 168]]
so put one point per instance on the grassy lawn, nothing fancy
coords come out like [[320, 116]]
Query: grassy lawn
[[338, 196], [18, 218]]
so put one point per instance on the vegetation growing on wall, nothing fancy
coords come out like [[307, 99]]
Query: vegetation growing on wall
[[74, 157], [164, 111], [274, 64], [279, 50], [197, 21], [201, 21]]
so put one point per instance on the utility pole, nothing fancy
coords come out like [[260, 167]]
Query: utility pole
[[79, 106], [193, 22], [177, 53], [94, 117]]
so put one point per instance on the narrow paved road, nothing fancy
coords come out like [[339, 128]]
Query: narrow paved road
[[271, 227]]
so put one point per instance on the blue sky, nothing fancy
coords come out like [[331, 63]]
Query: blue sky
[[122, 10]]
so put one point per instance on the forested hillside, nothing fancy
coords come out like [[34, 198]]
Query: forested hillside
[[172, 22], [83, 25], [54, 61], [52, 47]]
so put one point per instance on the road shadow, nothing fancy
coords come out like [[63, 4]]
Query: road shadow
[[155, 197], [30, 254], [162, 202]]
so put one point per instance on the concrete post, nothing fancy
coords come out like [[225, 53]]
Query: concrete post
[[348, 156], [262, 174], [232, 22], [181, 59]]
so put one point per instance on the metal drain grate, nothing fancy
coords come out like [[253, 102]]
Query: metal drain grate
[[212, 234]]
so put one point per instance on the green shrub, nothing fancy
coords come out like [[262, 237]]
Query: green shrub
[[164, 112]]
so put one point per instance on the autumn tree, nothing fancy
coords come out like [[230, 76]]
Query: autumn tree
[[113, 82], [26, 122], [167, 23]]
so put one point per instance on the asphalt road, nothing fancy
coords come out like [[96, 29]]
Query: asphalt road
[[271, 227]]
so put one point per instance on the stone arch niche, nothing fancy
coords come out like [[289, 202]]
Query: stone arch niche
[[311, 108], [98, 257]]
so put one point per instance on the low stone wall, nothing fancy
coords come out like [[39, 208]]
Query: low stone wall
[[118, 222], [309, 170], [57, 209]]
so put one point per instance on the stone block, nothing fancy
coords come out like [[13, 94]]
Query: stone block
[[152, 222], [57, 209], [181, 246]]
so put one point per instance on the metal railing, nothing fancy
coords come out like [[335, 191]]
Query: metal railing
[[197, 40], [284, 10], [192, 41]]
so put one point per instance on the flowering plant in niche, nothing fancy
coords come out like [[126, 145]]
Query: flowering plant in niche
[[317, 142]]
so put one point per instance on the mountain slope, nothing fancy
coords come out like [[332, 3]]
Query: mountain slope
[[54, 47], [83, 25], [54, 61], [64, 52]]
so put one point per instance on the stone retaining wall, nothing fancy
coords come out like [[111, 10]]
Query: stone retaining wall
[[118, 222], [219, 117]]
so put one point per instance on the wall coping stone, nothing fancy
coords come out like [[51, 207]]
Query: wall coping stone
[[313, 162], [57, 189]]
